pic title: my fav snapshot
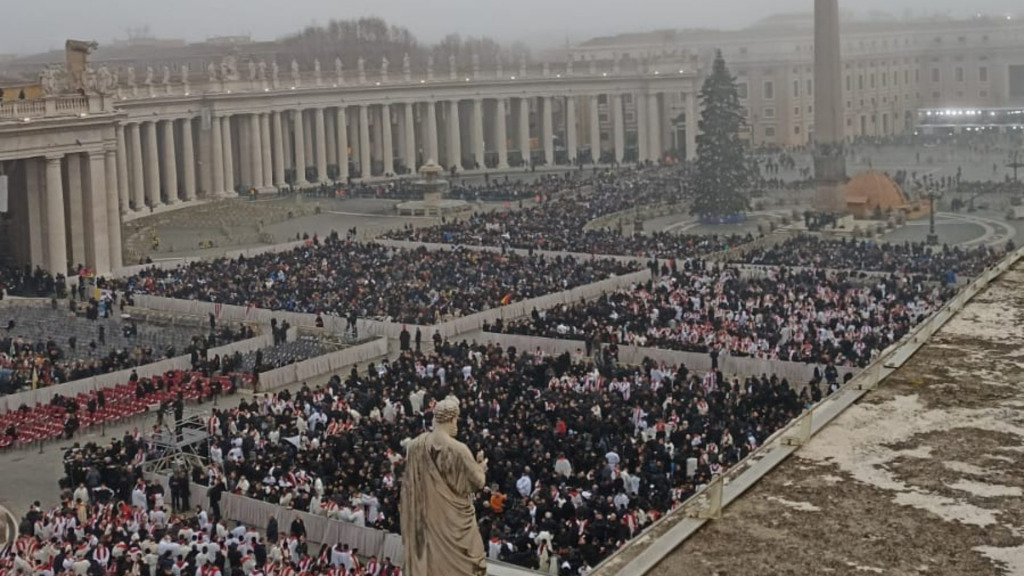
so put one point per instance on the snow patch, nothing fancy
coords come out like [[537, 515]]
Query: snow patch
[[1012, 558], [801, 506], [986, 490]]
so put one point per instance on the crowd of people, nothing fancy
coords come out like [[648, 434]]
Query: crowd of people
[[558, 223], [938, 264], [350, 279], [581, 459], [781, 314], [111, 522], [36, 362]]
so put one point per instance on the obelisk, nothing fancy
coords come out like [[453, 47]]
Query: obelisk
[[829, 158]]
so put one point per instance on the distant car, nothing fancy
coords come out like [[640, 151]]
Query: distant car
[[1015, 213]]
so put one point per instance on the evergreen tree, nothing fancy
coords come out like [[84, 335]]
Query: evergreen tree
[[722, 173]]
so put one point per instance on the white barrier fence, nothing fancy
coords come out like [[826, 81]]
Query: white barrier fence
[[797, 373], [707, 503], [391, 330], [319, 529], [44, 395], [322, 365]]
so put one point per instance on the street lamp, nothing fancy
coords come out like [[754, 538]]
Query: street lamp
[[1015, 164], [932, 196]]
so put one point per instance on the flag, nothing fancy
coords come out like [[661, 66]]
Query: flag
[[217, 309], [248, 308], [35, 378], [507, 299]]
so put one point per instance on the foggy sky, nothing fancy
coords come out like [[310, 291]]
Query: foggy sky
[[28, 26]]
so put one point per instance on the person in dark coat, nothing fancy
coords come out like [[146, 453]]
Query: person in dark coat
[[272, 530]]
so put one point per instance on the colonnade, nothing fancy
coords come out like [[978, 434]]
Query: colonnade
[[220, 153], [69, 213]]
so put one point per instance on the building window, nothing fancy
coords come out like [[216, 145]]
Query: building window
[[959, 73], [602, 98], [871, 80], [810, 87], [769, 112], [917, 76], [935, 75], [796, 110], [769, 90], [860, 82], [796, 88], [983, 94], [810, 109], [627, 98], [629, 119], [849, 122], [769, 131], [602, 118], [983, 74], [796, 129], [936, 95], [848, 85], [741, 89]]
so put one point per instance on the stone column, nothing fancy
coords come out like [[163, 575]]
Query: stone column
[[389, 146], [35, 188], [547, 133], [188, 158], [640, 114], [308, 131], [431, 147], [365, 166], [300, 149], [620, 130], [376, 137], [653, 127], [501, 133], [152, 167], [245, 152], [113, 215], [595, 131], [571, 146], [278, 152], [76, 218], [454, 136], [479, 147], [122, 170], [170, 168], [331, 137], [138, 177], [217, 159], [266, 161], [97, 227], [341, 134], [691, 126], [255, 152], [321, 145], [229, 161], [410, 137], [524, 130], [57, 256]]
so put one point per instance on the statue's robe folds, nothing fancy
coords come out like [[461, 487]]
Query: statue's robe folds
[[439, 530]]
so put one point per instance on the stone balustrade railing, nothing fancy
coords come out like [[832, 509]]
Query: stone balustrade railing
[[197, 82], [55, 106]]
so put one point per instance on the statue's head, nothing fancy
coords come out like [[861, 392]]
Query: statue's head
[[446, 415]]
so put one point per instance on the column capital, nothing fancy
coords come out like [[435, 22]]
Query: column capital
[[54, 157]]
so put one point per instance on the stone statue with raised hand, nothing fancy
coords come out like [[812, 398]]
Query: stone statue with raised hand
[[439, 527]]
